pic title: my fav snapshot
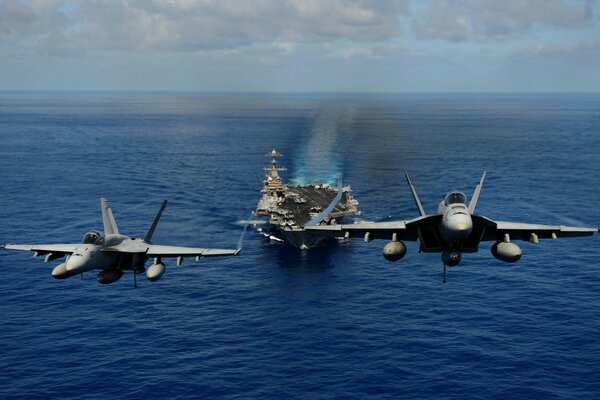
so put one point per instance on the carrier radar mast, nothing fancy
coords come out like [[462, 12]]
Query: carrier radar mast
[[273, 185]]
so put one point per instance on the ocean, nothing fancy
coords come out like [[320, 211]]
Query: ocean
[[337, 321]]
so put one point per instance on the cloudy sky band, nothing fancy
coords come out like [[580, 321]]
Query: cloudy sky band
[[300, 45]]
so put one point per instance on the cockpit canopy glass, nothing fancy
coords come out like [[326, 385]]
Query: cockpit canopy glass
[[455, 197], [93, 237]]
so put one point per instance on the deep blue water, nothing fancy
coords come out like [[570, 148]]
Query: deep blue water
[[275, 322]]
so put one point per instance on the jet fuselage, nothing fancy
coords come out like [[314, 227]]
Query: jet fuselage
[[456, 223], [114, 253], [89, 256]]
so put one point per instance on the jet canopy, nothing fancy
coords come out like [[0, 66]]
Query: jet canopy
[[93, 237], [455, 198]]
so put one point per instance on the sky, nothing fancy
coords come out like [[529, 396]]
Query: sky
[[301, 45]]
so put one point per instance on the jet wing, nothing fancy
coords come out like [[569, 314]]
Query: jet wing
[[375, 230], [425, 229], [52, 251], [403, 230], [155, 250], [495, 230], [40, 249]]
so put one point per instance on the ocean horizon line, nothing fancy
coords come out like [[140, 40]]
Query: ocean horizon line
[[266, 92]]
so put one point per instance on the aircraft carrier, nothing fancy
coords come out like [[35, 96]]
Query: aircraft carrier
[[289, 208]]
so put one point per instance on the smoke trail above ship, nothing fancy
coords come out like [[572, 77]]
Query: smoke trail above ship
[[318, 159]]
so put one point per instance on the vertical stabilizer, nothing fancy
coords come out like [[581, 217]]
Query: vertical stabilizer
[[415, 196], [473, 202], [148, 237], [110, 226]]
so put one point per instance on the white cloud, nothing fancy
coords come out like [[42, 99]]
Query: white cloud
[[18, 20], [79, 26], [299, 44], [484, 20], [195, 25], [580, 53]]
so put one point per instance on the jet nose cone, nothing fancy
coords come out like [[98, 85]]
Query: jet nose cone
[[75, 263], [459, 227]]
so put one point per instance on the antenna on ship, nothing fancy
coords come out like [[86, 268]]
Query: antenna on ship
[[272, 171], [273, 153], [273, 183]]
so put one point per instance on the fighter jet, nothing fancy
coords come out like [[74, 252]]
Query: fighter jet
[[113, 253], [453, 230]]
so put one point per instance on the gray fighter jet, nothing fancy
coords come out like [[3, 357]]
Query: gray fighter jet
[[114, 253], [453, 230]]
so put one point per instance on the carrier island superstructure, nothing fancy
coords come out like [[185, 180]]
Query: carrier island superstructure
[[290, 208]]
